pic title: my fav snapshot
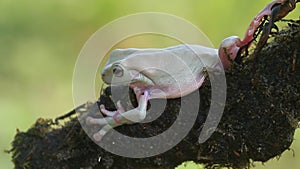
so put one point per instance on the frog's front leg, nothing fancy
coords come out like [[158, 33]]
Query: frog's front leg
[[119, 117]]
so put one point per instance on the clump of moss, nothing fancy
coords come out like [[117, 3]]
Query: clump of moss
[[259, 121]]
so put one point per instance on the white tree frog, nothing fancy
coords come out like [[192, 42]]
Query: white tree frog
[[174, 71], [159, 73]]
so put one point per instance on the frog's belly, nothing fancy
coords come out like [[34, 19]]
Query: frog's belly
[[176, 90]]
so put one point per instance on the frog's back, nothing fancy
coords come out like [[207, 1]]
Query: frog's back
[[186, 52], [177, 70]]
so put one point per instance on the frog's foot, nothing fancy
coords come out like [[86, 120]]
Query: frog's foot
[[112, 120], [119, 117]]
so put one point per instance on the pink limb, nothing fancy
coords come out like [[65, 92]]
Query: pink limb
[[257, 20], [284, 7], [119, 117]]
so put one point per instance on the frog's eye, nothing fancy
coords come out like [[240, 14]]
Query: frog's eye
[[117, 70]]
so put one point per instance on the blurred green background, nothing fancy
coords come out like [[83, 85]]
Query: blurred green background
[[40, 41]]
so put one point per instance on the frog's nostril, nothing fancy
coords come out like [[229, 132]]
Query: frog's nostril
[[103, 75]]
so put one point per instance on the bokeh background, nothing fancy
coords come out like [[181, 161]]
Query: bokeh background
[[40, 41]]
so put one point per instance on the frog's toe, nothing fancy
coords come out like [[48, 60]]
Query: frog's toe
[[99, 135], [106, 112], [120, 109], [108, 123], [98, 121], [112, 118]]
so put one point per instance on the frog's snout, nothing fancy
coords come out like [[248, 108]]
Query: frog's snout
[[103, 76]]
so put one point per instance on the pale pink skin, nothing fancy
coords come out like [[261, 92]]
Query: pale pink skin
[[227, 52]]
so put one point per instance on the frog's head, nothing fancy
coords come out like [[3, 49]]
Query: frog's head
[[117, 71], [228, 50]]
